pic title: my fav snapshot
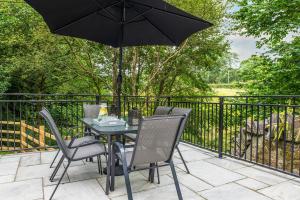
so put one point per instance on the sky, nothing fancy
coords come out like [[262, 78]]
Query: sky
[[243, 46]]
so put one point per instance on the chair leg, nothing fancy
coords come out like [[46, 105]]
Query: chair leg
[[54, 158], [69, 162], [98, 162], [150, 173], [113, 171], [57, 168], [186, 168], [127, 181], [157, 170], [176, 181]]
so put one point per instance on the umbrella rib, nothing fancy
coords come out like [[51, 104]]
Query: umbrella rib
[[188, 17], [133, 18], [161, 31], [157, 28], [96, 1], [85, 16]]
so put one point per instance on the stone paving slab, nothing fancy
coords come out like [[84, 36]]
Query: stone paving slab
[[227, 163], [22, 190], [193, 155], [35, 171], [30, 160], [137, 180], [283, 191], [9, 168], [163, 193], [7, 178], [261, 176], [82, 190], [212, 174], [232, 191], [252, 184]]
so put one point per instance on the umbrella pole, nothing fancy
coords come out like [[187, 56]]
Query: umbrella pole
[[119, 82]]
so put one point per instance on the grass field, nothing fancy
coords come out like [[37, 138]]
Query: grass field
[[227, 91]]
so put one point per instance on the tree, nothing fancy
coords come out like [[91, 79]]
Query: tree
[[277, 71], [268, 20], [269, 76]]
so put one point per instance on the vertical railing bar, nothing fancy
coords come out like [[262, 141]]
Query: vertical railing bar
[[241, 130], [257, 133], [277, 138], [284, 138], [293, 141], [14, 117], [270, 135], [251, 130], [246, 127], [264, 129], [230, 131], [220, 150]]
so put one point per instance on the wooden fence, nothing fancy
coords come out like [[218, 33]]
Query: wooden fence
[[20, 139]]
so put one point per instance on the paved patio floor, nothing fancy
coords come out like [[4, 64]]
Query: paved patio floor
[[25, 177]]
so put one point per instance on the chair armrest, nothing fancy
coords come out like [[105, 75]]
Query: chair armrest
[[119, 151], [118, 147], [83, 143]]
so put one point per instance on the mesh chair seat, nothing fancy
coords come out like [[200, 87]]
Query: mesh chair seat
[[88, 151], [82, 141]]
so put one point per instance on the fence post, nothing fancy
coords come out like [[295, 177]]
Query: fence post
[[221, 111], [42, 136], [22, 133]]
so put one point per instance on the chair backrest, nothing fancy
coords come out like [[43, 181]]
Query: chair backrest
[[54, 129], [184, 112], [91, 110], [162, 110], [156, 139]]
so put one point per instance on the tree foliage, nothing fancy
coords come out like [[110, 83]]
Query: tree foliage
[[269, 20], [275, 24], [34, 60]]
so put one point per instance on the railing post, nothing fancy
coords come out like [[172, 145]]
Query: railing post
[[221, 111], [97, 99], [169, 101]]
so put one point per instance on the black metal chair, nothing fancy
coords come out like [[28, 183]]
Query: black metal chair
[[155, 143], [71, 154], [184, 112]]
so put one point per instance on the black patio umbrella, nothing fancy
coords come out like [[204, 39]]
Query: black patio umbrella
[[119, 23]]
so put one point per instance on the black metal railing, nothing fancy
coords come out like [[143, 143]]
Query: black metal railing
[[264, 130]]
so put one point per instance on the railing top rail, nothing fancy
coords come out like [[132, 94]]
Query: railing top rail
[[144, 96]]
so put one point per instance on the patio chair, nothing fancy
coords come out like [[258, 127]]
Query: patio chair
[[183, 112], [87, 139], [160, 110], [71, 154], [155, 143]]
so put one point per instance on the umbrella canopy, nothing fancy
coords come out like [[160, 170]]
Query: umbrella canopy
[[119, 23]]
